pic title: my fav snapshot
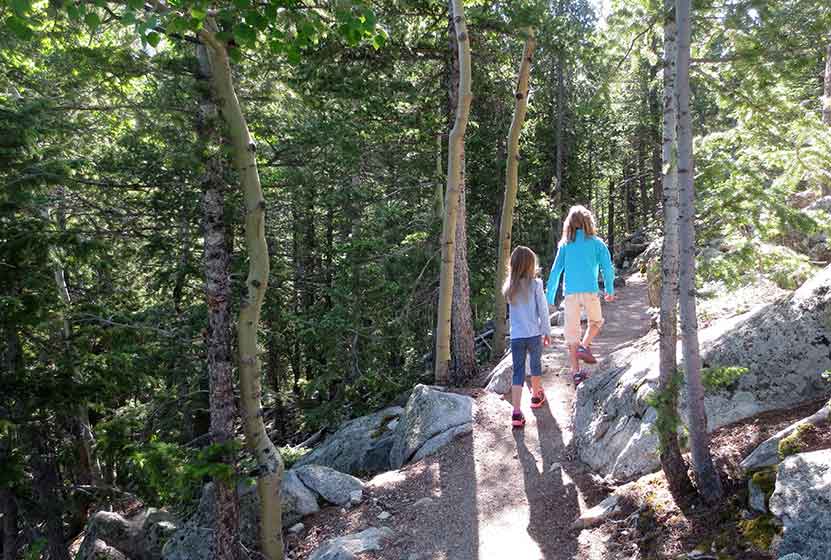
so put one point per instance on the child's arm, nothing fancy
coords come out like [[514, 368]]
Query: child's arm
[[606, 265], [542, 309], [554, 277]]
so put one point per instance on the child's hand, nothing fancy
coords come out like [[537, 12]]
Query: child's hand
[[546, 340], [610, 297]]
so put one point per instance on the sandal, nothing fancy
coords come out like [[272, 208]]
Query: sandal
[[538, 399], [517, 420], [579, 376], [585, 354]]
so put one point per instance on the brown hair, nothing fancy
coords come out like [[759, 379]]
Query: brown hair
[[579, 217], [522, 272]]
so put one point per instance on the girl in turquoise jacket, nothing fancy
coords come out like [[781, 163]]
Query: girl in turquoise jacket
[[580, 256]]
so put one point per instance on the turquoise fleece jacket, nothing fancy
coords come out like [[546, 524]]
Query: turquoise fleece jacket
[[580, 260]]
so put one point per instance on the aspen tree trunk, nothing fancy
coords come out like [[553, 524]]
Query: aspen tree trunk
[[455, 171], [709, 484], [218, 298], [826, 98], [438, 201], [463, 336], [269, 463], [500, 327], [674, 466]]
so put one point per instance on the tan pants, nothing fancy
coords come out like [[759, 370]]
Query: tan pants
[[574, 303]]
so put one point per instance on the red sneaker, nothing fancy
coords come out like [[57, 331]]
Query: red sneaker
[[538, 399], [586, 355], [517, 420]]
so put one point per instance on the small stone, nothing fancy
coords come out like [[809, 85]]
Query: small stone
[[355, 497], [296, 528], [425, 501], [554, 466], [384, 515]]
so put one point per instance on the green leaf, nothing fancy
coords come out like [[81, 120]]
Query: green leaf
[[19, 28], [92, 20], [198, 13], [129, 18], [379, 40], [20, 7], [135, 4], [153, 39], [245, 34]]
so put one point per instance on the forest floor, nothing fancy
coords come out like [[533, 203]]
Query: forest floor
[[504, 493]]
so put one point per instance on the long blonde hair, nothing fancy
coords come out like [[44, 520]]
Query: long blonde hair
[[579, 217], [522, 272]]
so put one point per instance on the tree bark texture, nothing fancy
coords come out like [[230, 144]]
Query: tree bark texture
[[455, 178], [709, 484], [506, 222], [463, 335], [672, 462], [269, 463], [610, 219], [216, 265]]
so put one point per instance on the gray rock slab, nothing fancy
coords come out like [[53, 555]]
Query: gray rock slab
[[333, 486], [802, 502], [347, 547], [360, 446], [783, 345], [429, 413]]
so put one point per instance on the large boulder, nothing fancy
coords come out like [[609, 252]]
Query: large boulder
[[784, 346], [361, 446], [802, 502], [333, 486], [141, 537], [347, 547], [430, 415]]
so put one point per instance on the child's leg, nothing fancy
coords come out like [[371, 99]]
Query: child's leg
[[518, 351], [535, 359], [572, 328], [594, 314]]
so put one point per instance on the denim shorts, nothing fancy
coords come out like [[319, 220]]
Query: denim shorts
[[522, 347]]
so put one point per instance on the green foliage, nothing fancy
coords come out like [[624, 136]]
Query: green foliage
[[721, 377], [665, 404], [760, 531], [796, 442], [292, 454]]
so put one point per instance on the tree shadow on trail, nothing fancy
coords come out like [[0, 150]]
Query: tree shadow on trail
[[552, 496]]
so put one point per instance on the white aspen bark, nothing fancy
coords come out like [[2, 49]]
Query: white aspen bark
[[672, 461], [269, 463], [455, 170], [709, 484], [826, 98], [500, 327]]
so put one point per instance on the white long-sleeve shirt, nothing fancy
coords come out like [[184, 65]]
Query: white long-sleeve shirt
[[529, 313]]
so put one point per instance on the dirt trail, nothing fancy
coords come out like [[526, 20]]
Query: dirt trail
[[500, 493]]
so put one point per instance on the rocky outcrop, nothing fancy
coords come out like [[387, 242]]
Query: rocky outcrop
[[431, 419], [783, 346], [333, 486], [347, 547], [361, 446], [141, 537], [802, 502]]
